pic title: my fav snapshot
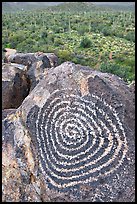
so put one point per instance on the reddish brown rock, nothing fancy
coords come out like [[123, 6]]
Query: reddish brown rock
[[73, 139]]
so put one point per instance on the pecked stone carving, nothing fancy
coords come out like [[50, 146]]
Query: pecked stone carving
[[77, 125]]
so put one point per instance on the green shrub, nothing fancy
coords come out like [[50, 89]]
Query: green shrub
[[51, 38], [125, 72], [58, 42], [82, 29], [85, 43], [44, 34], [63, 55], [130, 36], [106, 31]]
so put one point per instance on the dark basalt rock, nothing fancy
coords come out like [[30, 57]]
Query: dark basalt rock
[[15, 86], [53, 59], [73, 139], [27, 59], [36, 64], [35, 73]]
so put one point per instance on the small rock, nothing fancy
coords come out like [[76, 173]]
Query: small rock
[[8, 52]]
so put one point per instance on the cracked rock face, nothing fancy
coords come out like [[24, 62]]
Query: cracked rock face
[[15, 86], [35, 64], [72, 139], [35, 73], [48, 59]]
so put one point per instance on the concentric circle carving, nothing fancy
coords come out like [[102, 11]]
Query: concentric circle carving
[[80, 139]]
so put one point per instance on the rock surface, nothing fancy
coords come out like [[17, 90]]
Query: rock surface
[[6, 112], [132, 87], [72, 139], [15, 86], [53, 59], [48, 59], [34, 63], [8, 52], [35, 73]]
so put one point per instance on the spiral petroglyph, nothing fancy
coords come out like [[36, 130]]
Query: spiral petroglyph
[[80, 139]]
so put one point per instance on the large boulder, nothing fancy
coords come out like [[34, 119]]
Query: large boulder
[[48, 59], [72, 139], [39, 68], [15, 86], [36, 72], [28, 58], [22, 58], [35, 64]]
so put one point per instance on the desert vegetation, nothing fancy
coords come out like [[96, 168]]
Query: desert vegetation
[[99, 38]]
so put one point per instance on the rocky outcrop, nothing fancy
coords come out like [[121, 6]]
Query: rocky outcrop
[[35, 64], [72, 139], [15, 86], [22, 58], [48, 59]]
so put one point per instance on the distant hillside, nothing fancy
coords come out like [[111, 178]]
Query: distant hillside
[[18, 6], [74, 7], [66, 6], [88, 6], [129, 6], [54, 6]]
